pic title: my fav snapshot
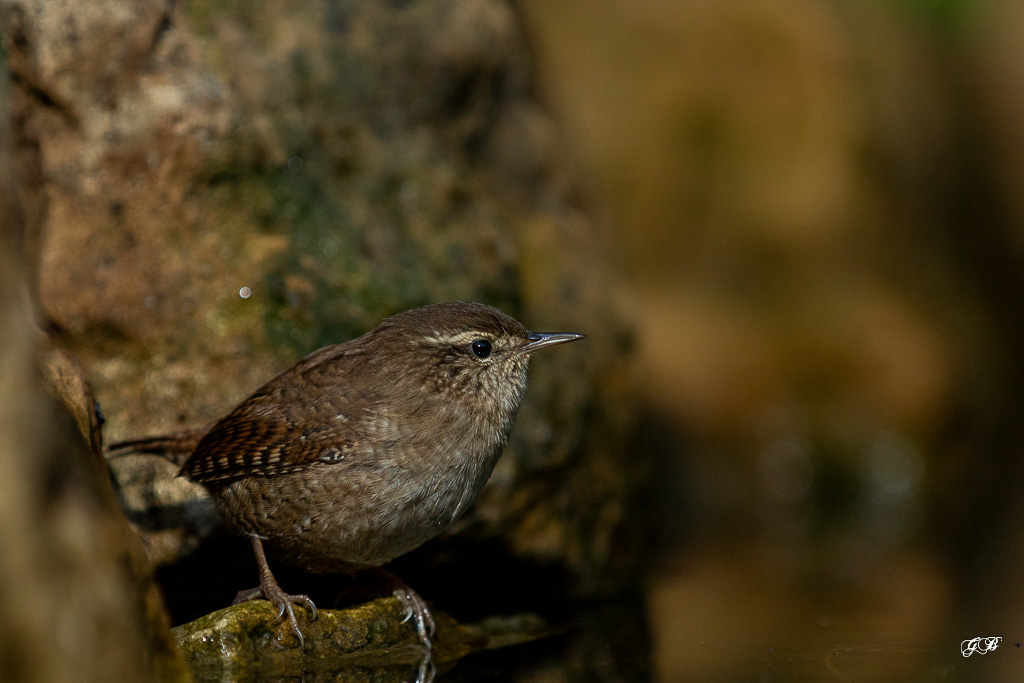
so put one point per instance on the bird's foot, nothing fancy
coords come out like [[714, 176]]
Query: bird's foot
[[269, 590], [415, 607], [284, 602], [417, 610]]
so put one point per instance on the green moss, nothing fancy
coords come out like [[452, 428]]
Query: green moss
[[202, 15], [247, 639]]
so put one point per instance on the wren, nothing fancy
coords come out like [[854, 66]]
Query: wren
[[363, 451]]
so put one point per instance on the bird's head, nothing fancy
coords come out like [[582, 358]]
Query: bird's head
[[467, 353]]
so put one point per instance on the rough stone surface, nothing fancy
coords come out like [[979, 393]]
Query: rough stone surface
[[214, 189], [249, 638], [77, 599]]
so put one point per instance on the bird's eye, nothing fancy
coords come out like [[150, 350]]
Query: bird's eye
[[481, 347]]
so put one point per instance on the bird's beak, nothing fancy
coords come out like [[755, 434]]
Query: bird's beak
[[539, 340]]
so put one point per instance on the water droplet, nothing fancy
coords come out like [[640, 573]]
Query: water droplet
[[245, 292], [328, 247]]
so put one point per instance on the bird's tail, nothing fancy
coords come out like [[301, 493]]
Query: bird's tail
[[175, 447]]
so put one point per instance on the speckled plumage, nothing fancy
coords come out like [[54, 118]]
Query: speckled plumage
[[364, 450]]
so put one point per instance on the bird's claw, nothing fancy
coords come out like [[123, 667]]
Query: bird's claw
[[417, 610], [285, 603]]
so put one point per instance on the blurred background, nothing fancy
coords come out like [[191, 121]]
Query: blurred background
[[814, 213], [819, 207]]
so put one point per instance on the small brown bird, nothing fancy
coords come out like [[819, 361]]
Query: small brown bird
[[362, 451]]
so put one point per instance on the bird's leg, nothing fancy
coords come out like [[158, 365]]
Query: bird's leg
[[415, 607], [269, 590]]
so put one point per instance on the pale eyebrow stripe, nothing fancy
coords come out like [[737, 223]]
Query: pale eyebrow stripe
[[457, 339]]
